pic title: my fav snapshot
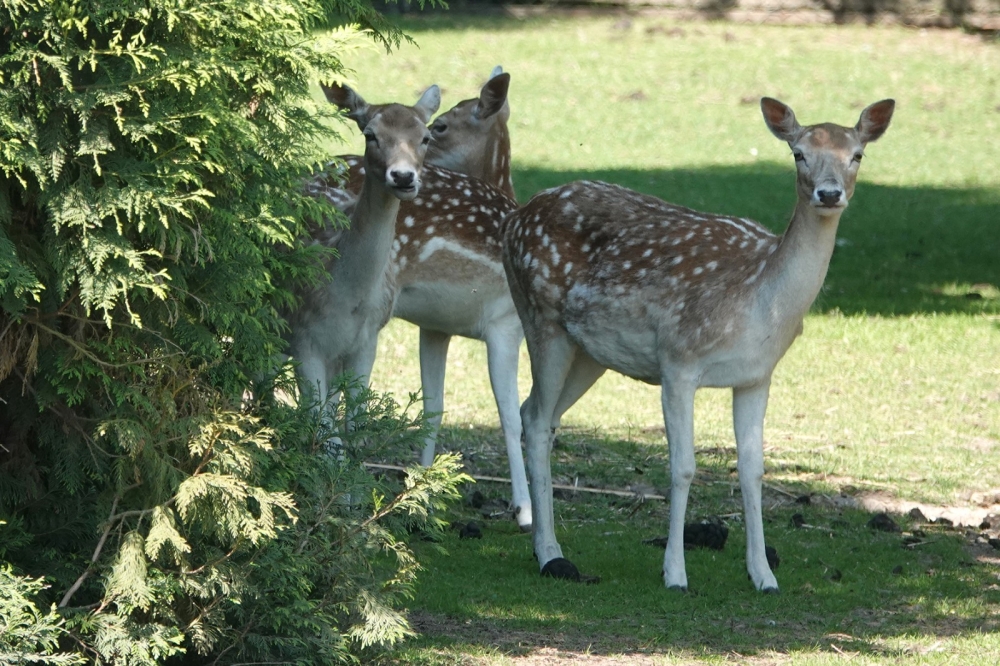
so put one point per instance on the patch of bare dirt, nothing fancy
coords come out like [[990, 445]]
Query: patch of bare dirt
[[973, 514], [533, 647]]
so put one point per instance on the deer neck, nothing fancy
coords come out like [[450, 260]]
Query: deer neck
[[366, 247], [798, 267], [495, 167]]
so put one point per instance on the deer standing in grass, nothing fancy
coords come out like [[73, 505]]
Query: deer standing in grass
[[335, 329], [448, 268], [604, 277]]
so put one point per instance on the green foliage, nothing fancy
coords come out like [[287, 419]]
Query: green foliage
[[27, 635], [151, 233], [335, 580]]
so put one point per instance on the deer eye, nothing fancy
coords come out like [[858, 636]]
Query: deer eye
[[371, 138], [799, 157], [439, 128], [858, 155], [425, 140]]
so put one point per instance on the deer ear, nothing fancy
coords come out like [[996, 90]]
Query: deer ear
[[345, 98], [493, 96], [874, 120], [780, 119], [429, 103]]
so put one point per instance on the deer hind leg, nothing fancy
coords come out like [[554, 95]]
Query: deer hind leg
[[749, 405], [678, 416], [584, 372], [551, 355], [502, 349], [433, 361]]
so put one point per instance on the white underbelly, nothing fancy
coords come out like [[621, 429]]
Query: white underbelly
[[455, 309]]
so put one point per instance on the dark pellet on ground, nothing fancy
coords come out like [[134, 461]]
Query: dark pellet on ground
[[470, 530], [883, 523], [803, 499], [798, 520], [772, 557], [710, 533], [897, 570]]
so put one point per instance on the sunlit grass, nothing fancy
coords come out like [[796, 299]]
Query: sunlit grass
[[893, 388]]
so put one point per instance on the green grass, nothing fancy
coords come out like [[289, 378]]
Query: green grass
[[894, 387]]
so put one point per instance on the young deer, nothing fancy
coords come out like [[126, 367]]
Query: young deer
[[336, 326], [449, 272], [604, 277]]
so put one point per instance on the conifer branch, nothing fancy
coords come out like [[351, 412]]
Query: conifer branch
[[97, 551]]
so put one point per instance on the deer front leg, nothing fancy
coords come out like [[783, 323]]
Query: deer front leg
[[433, 362], [678, 416], [749, 406], [359, 363], [315, 391], [502, 349]]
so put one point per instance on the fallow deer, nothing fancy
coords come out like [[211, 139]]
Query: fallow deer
[[449, 271], [335, 329], [604, 277]]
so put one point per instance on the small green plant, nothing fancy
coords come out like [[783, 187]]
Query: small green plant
[[27, 634]]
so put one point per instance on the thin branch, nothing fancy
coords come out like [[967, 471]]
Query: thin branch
[[112, 517], [239, 542], [93, 357], [558, 486]]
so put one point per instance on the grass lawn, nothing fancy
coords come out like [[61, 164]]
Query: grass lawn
[[892, 392]]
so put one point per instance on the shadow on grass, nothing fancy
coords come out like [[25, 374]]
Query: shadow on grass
[[845, 586], [900, 251]]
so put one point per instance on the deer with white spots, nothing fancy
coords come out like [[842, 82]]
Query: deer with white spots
[[448, 269], [335, 329], [604, 277]]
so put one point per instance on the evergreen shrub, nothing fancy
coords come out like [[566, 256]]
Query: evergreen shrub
[[151, 224]]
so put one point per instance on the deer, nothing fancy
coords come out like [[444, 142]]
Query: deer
[[335, 327], [448, 268], [604, 277]]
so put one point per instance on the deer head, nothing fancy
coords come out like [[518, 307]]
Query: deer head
[[396, 138], [827, 156], [472, 137]]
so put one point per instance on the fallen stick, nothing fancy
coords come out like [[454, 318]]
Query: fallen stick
[[557, 486]]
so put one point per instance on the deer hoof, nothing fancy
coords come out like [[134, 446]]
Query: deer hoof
[[678, 588], [560, 567]]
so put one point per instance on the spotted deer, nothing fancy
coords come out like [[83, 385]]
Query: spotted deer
[[335, 329], [604, 277], [449, 272]]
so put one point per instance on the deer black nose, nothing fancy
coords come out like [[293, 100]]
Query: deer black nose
[[402, 178], [829, 197]]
